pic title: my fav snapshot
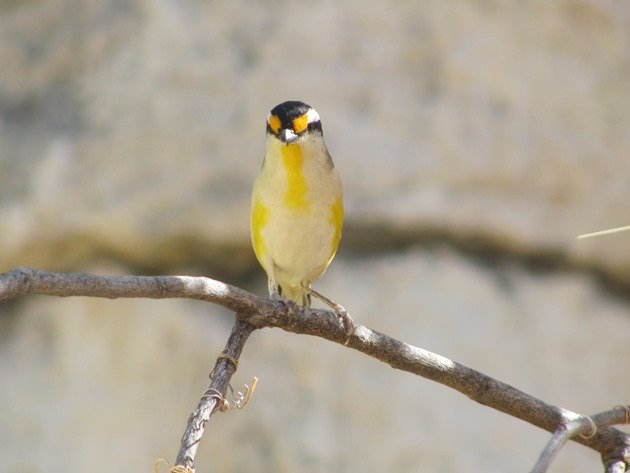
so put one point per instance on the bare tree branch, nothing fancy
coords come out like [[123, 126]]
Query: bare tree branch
[[261, 312], [215, 394]]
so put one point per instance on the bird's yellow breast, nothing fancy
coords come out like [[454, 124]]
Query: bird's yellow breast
[[297, 187], [297, 212]]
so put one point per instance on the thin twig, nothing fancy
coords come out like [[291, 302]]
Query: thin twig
[[584, 426], [262, 312], [212, 399]]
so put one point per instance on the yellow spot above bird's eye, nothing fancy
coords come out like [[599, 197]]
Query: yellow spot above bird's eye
[[274, 123], [300, 123]]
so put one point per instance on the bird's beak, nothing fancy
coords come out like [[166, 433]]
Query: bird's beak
[[287, 136]]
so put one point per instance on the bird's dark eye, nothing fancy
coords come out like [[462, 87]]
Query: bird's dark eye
[[315, 126]]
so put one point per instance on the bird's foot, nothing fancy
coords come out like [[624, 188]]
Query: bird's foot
[[348, 324], [291, 306]]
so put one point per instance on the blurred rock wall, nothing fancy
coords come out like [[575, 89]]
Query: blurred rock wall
[[475, 141]]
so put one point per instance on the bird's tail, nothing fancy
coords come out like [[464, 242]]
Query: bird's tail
[[296, 294]]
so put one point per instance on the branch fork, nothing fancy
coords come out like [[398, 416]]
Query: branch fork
[[253, 312]]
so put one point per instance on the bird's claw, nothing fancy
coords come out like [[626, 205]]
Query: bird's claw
[[348, 324]]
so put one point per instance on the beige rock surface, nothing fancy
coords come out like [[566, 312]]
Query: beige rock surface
[[123, 123], [475, 141]]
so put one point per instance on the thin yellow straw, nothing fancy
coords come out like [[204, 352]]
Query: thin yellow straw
[[605, 232]]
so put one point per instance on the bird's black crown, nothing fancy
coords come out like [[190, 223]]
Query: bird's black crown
[[287, 111], [293, 115]]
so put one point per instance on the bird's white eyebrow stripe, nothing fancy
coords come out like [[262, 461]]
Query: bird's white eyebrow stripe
[[312, 116]]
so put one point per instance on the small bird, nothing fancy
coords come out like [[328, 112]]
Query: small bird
[[297, 205]]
